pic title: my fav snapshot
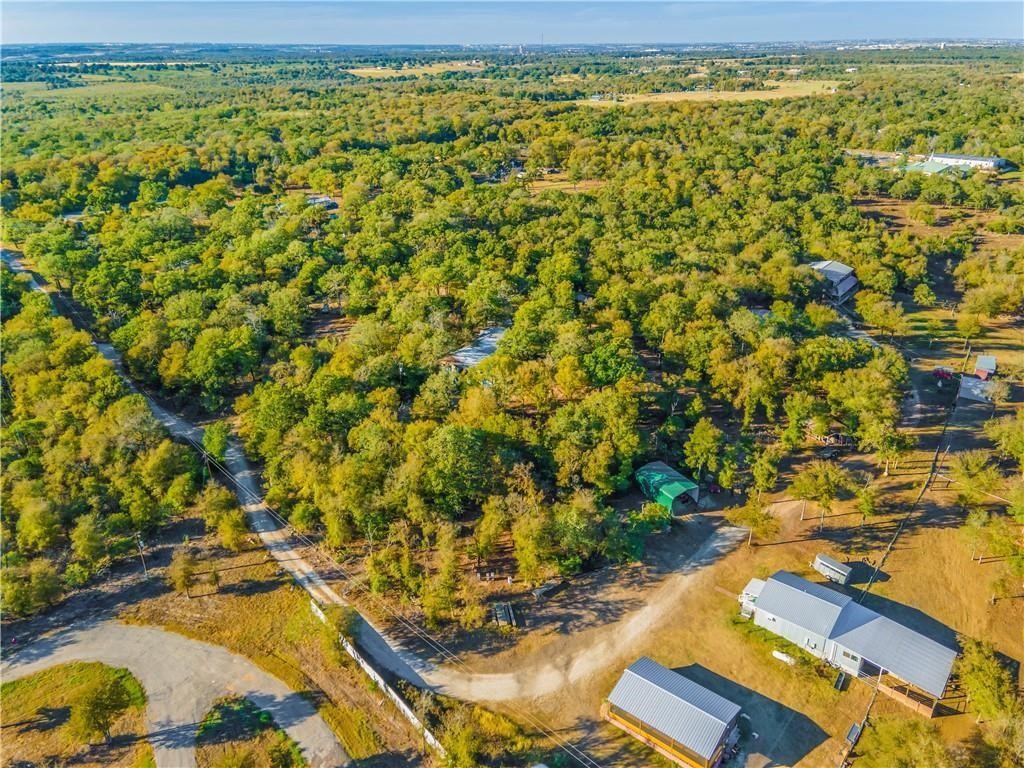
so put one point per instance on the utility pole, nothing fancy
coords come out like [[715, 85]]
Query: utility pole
[[142, 557]]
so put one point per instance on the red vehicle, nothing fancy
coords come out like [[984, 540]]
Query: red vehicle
[[943, 373]]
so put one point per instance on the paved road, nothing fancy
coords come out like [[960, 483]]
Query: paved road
[[182, 678]]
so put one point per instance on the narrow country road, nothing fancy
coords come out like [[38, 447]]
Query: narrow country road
[[578, 658], [182, 678]]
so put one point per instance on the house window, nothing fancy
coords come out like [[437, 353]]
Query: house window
[[851, 656]]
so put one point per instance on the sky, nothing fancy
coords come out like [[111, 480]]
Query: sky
[[391, 22]]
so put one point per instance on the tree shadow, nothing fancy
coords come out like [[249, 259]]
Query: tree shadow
[[46, 719], [784, 736]]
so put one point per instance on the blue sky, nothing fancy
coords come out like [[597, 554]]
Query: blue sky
[[497, 21]]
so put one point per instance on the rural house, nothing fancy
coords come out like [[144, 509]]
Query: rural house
[[680, 719], [840, 277], [902, 663], [667, 487], [970, 161], [474, 353]]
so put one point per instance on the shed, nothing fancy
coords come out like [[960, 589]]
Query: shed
[[664, 485], [832, 569], [928, 167], [985, 367], [678, 717]]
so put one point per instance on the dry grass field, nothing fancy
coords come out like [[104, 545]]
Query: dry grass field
[[561, 182], [778, 89], [437, 68]]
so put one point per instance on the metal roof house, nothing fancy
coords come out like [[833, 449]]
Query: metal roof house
[[677, 717], [482, 347], [666, 486], [990, 163], [900, 662], [840, 276]]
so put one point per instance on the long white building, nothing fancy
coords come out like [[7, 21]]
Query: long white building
[[900, 662]]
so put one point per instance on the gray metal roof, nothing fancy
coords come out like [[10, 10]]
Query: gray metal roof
[[834, 564], [674, 705], [482, 347], [806, 604], [895, 647], [835, 271], [888, 644]]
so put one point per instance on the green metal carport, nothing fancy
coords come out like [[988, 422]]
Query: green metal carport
[[664, 485]]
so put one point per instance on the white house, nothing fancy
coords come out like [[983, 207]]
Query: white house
[[828, 624], [841, 277], [971, 161]]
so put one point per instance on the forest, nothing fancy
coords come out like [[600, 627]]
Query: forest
[[288, 247], [668, 312]]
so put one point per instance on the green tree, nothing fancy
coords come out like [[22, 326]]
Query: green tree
[[703, 449], [38, 526], [100, 704], [181, 573], [989, 685], [820, 482], [87, 539], [755, 517], [215, 439]]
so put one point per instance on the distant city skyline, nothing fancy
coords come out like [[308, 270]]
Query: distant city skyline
[[395, 22]]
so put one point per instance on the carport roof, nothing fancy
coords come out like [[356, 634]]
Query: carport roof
[[683, 710], [896, 648]]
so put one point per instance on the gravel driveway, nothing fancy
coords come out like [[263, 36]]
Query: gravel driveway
[[182, 678]]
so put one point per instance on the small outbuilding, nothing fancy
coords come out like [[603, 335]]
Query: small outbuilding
[[985, 368], [666, 486], [832, 569], [682, 720]]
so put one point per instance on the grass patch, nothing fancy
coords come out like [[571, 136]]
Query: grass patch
[[237, 734], [39, 719], [808, 667]]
